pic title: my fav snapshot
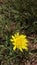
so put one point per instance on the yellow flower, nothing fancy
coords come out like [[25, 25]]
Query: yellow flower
[[19, 41]]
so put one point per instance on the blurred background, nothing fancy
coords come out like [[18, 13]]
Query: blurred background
[[18, 16]]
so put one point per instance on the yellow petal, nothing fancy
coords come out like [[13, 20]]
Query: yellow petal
[[26, 48], [26, 40], [14, 47], [23, 36], [17, 33], [11, 40], [13, 37], [21, 49], [25, 44]]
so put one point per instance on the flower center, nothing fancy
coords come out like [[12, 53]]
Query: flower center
[[19, 42]]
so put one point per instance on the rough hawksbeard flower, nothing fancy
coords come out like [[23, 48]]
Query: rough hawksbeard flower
[[19, 41]]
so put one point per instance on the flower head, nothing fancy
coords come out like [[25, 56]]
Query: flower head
[[19, 41]]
